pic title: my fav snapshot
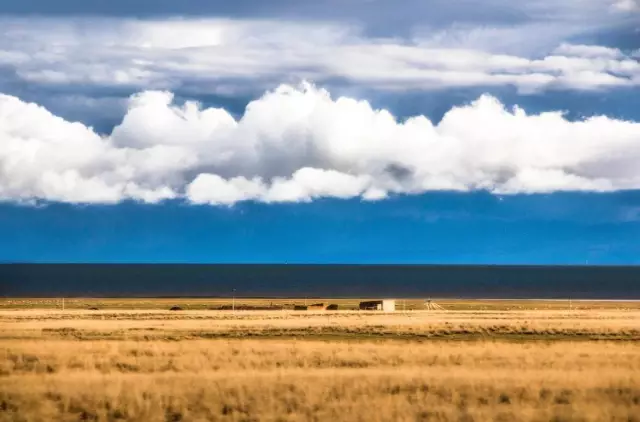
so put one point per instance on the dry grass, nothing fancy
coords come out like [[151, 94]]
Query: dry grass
[[303, 380], [120, 365]]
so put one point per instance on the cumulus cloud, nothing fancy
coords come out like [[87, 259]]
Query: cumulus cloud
[[227, 56], [297, 143]]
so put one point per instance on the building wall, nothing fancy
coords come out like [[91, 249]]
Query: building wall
[[389, 305]]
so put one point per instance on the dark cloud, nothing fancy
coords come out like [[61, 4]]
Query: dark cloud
[[376, 16], [626, 37], [399, 172], [98, 105], [492, 10], [380, 17]]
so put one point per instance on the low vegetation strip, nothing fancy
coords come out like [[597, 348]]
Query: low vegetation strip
[[415, 325], [346, 333], [201, 304], [196, 356]]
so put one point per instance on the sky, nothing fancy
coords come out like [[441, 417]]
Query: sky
[[359, 131]]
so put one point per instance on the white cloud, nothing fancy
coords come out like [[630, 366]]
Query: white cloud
[[222, 56], [212, 189], [627, 5], [298, 144], [304, 185], [44, 156], [588, 51], [309, 183]]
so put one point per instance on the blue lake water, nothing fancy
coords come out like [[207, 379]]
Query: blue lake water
[[442, 281]]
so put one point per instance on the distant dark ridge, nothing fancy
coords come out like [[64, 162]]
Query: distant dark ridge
[[339, 281]]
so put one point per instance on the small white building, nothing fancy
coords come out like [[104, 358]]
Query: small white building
[[389, 305]]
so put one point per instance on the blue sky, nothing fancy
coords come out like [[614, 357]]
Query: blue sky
[[576, 228], [327, 131]]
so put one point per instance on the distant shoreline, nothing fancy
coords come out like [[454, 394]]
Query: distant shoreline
[[311, 298]]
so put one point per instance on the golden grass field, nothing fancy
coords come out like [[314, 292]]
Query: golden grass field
[[476, 361]]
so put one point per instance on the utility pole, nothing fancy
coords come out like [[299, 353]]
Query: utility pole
[[233, 303]]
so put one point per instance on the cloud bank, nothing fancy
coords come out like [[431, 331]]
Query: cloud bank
[[297, 143], [221, 56]]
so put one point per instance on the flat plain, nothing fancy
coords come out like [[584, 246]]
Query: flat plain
[[478, 360]]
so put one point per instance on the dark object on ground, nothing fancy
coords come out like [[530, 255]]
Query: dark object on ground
[[94, 309], [175, 308], [299, 308], [247, 308], [372, 305], [332, 307]]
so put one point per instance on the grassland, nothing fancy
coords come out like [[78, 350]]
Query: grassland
[[477, 361]]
